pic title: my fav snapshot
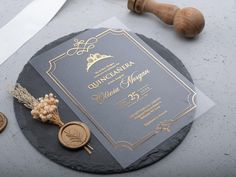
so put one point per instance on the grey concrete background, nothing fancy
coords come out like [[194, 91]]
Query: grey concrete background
[[210, 147]]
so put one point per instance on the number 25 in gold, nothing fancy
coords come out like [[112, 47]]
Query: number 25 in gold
[[134, 96]]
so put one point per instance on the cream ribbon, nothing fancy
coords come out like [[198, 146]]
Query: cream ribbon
[[26, 24]]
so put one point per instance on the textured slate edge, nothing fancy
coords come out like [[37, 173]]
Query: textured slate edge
[[153, 156]]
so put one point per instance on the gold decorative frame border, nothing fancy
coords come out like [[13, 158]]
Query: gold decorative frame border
[[163, 126]]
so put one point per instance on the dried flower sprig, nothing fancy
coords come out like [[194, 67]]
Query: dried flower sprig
[[44, 109], [23, 96]]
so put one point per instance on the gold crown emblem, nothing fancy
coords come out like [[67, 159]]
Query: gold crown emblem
[[94, 58]]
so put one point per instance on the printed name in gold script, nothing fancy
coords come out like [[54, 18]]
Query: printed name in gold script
[[131, 79], [102, 96]]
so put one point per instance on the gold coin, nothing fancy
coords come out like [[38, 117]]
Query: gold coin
[[3, 122], [74, 135]]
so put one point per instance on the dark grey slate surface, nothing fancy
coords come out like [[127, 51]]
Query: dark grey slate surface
[[44, 136]]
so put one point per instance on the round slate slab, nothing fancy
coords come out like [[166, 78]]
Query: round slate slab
[[44, 136]]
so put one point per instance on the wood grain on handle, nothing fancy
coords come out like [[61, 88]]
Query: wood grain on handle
[[188, 22], [166, 12]]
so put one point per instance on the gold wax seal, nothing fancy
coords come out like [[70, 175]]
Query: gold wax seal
[[74, 135], [3, 122]]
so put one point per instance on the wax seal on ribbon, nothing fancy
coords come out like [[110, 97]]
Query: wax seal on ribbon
[[72, 135]]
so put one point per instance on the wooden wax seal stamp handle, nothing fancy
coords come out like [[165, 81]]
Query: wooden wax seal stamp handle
[[188, 22]]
